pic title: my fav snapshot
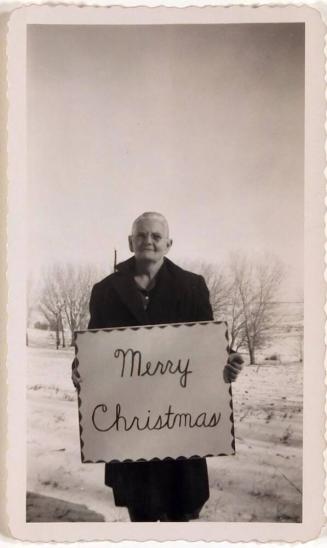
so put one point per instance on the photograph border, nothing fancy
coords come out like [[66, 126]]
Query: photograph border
[[314, 294]]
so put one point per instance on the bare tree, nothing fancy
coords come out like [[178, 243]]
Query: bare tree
[[243, 292], [51, 301], [235, 318], [254, 287], [76, 284], [64, 299]]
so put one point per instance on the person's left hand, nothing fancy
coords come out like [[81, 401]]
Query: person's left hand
[[233, 367]]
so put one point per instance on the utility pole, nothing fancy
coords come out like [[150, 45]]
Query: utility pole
[[115, 260]]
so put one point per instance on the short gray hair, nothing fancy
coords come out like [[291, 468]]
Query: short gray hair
[[149, 214]]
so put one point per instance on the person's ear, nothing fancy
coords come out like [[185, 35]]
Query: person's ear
[[169, 244], [130, 244]]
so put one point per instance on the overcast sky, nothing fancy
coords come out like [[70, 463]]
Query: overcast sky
[[204, 123]]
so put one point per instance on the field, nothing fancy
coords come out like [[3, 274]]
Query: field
[[262, 482]]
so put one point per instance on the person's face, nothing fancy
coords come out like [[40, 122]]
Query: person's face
[[149, 240]]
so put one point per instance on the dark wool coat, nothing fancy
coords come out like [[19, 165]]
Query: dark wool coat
[[178, 296]]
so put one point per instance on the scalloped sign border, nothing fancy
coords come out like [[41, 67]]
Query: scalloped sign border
[[148, 327]]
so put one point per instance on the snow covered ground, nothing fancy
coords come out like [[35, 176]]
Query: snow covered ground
[[262, 482]]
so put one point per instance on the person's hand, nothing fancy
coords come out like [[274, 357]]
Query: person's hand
[[76, 378], [233, 367]]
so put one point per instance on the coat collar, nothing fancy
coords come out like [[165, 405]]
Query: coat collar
[[128, 267], [124, 284]]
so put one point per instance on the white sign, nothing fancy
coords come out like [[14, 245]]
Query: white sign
[[154, 391]]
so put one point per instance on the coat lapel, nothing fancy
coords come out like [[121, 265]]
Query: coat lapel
[[125, 286], [166, 296]]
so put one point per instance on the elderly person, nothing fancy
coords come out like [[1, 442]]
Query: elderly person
[[150, 289]]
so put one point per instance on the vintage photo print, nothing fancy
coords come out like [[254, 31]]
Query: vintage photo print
[[165, 271]]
